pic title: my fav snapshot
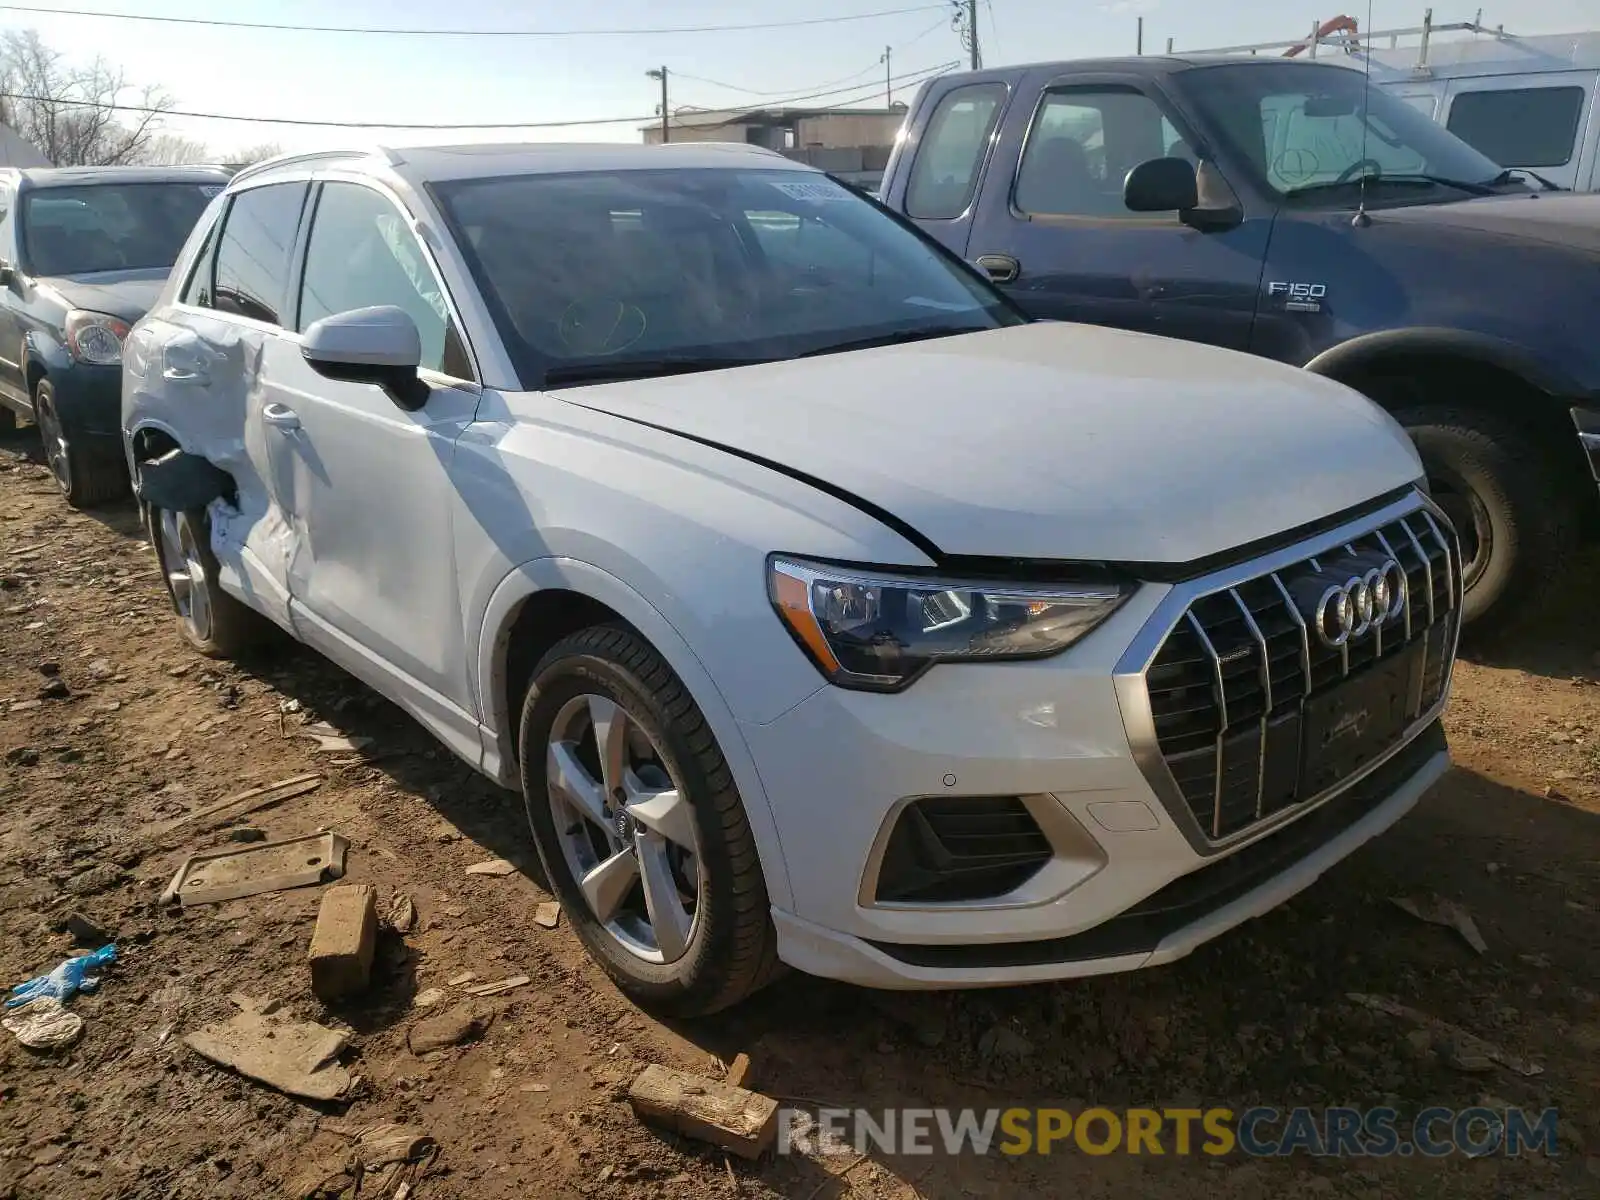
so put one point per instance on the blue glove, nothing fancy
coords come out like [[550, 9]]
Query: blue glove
[[70, 978]]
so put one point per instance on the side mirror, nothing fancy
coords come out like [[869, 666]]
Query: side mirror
[[377, 345], [1162, 185]]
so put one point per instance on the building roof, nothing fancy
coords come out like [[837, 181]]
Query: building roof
[[710, 117], [18, 151]]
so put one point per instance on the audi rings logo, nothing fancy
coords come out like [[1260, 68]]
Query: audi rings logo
[[1348, 610]]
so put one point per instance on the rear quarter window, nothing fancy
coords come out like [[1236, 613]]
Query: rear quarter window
[[950, 151]]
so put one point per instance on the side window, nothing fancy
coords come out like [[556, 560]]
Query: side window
[[252, 272], [197, 290], [1083, 143], [362, 253], [1520, 127], [950, 152]]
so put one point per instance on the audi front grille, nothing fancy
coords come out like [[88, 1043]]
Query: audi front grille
[[1256, 713]]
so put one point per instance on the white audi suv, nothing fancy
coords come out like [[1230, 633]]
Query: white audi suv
[[823, 609]]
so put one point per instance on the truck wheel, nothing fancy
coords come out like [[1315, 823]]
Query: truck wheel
[[1499, 490], [640, 828], [86, 475], [211, 621]]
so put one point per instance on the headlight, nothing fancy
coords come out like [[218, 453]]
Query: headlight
[[880, 631], [95, 337]]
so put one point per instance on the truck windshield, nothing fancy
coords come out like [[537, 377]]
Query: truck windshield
[[84, 229], [604, 275], [1312, 134]]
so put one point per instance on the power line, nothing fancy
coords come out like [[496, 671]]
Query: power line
[[412, 32], [926, 72], [941, 23], [851, 88]]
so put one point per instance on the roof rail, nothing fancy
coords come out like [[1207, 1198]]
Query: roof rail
[[1342, 34], [283, 160]]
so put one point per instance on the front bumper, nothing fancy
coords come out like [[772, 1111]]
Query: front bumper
[[1128, 882]]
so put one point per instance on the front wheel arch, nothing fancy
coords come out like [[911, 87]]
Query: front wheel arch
[[604, 589]]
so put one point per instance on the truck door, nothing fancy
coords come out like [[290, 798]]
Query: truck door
[[1537, 121], [1051, 227]]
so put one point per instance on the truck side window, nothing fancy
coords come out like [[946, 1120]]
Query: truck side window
[[951, 149], [1083, 143], [1520, 127]]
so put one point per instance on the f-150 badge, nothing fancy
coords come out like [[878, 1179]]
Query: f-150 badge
[[1299, 297]]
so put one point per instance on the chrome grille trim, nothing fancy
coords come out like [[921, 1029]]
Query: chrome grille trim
[[1412, 522]]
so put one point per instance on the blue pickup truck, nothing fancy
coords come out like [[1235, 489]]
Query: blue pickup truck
[[1289, 210]]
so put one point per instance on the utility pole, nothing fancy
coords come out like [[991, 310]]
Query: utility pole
[[666, 129], [888, 77], [1141, 36], [972, 28]]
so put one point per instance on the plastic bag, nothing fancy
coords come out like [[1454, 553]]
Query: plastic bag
[[43, 1024], [66, 981]]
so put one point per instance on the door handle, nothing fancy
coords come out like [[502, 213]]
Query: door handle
[[282, 417], [1001, 268]]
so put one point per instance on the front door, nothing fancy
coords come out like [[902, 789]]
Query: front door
[[372, 574], [1078, 253]]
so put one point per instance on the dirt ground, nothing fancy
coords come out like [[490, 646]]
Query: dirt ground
[[536, 1106]]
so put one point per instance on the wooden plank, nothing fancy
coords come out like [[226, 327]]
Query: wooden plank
[[741, 1074], [730, 1118], [242, 804]]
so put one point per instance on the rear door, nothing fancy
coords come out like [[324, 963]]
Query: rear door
[[1538, 121], [203, 383], [1052, 229], [948, 147], [366, 483], [13, 366]]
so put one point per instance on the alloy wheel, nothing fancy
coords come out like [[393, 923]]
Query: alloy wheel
[[624, 827], [180, 558], [55, 441]]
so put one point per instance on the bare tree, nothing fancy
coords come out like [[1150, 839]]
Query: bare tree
[[69, 112], [253, 154], [173, 150]]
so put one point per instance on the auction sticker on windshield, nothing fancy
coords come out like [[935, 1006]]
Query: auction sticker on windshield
[[819, 193]]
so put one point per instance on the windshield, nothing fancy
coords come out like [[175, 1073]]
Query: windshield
[[1301, 128], [110, 227], [600, 275]]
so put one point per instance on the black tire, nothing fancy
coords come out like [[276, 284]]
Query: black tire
[[226, 628], [732, 949], [87, 474], [1512, 515]]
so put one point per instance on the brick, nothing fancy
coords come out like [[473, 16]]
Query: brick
[[343, 942]]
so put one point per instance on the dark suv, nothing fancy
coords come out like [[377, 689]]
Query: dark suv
[[83, 253], [1285, 209]]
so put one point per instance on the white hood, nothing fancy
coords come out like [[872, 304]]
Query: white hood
[[1050, 441]]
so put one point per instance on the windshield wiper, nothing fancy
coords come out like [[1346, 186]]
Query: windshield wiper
[[1507, 176], [895, 339], [1413, 178], [640, 368]]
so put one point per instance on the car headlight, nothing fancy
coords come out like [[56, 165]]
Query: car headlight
[[879, 632], [95, 337]]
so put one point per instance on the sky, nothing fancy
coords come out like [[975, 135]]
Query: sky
[[440, 79]]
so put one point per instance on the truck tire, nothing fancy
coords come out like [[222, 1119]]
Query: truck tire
[[1513, 518], [211, 621], [86, 474]]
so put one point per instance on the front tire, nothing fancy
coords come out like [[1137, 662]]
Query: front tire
[[87, 475], [1503, 495], [211, 621], [640, 827]]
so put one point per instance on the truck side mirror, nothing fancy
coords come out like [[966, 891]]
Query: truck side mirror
[[1161, 185]]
